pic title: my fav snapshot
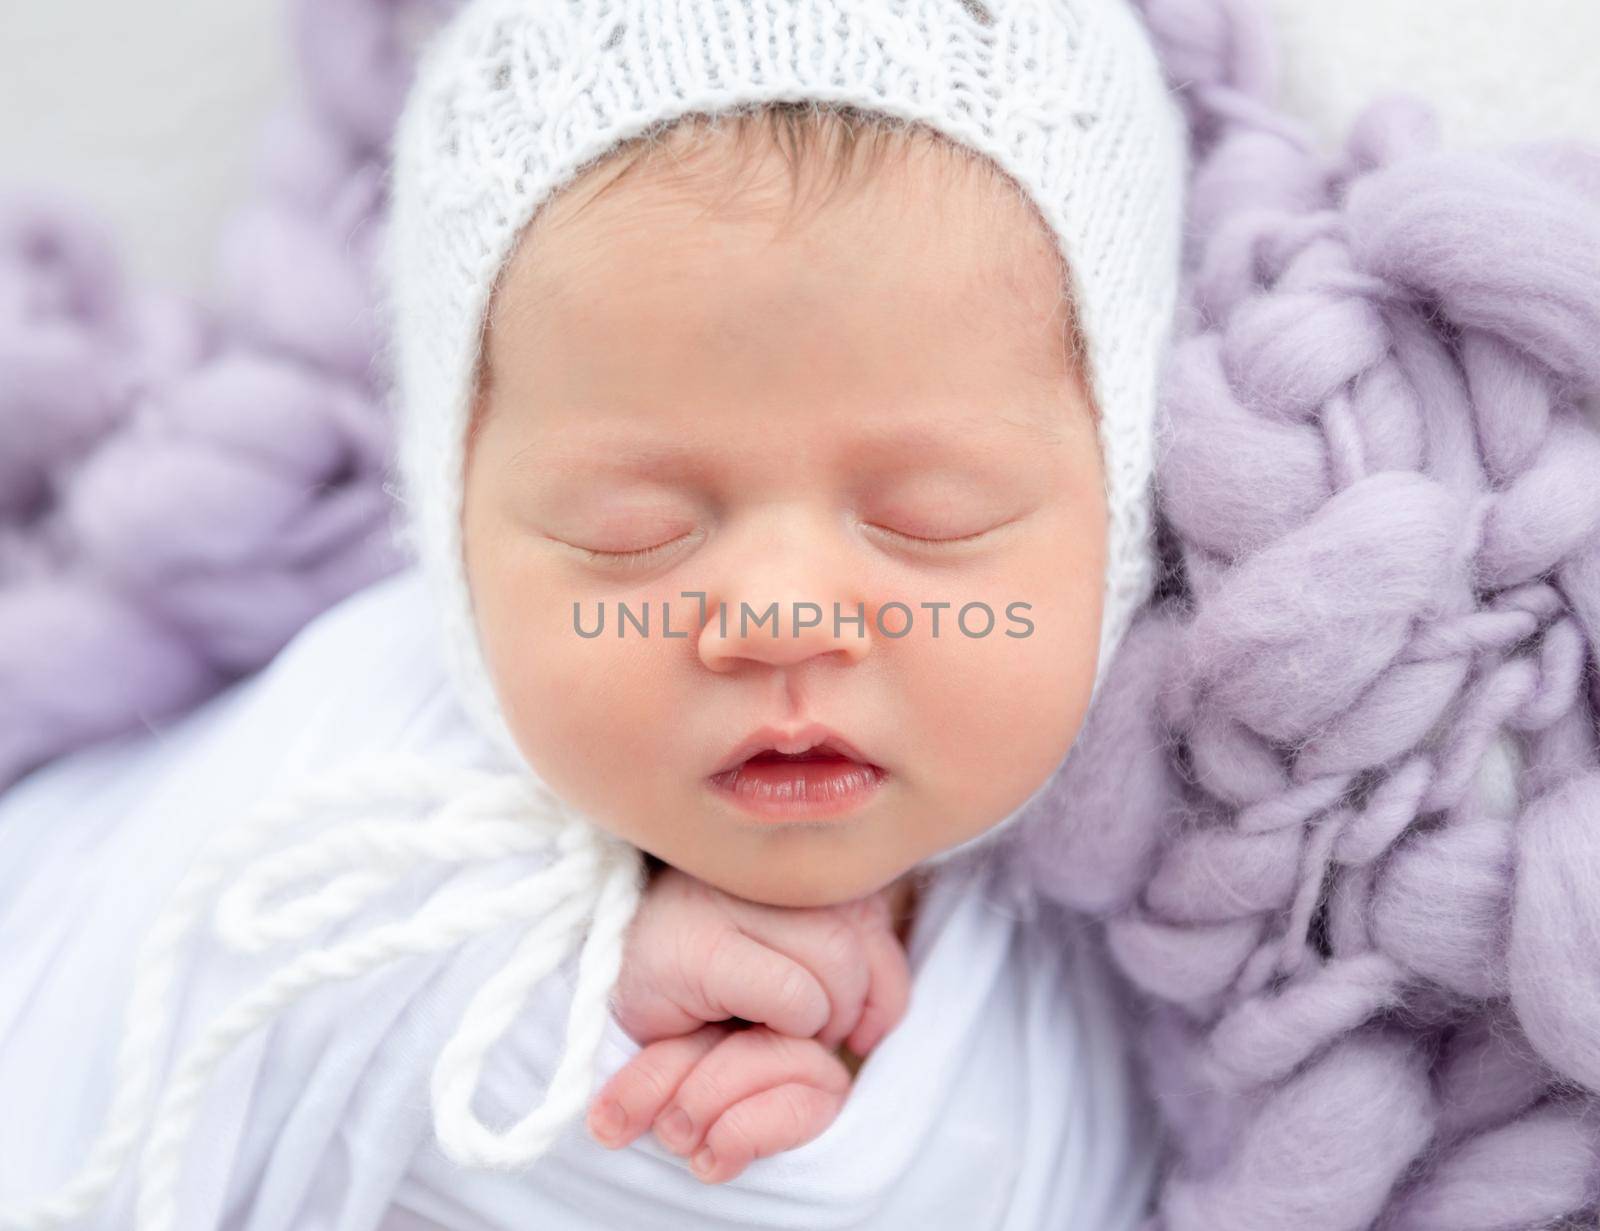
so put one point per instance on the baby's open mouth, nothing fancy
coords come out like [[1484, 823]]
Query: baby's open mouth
[[827, 778], [810, 754]]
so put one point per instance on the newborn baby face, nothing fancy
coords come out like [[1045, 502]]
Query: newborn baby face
[[874, 408]]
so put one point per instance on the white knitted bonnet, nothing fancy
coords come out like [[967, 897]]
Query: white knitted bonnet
[[515, 97]]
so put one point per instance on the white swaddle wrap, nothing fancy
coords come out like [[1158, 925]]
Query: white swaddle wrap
[[1004, 1098]]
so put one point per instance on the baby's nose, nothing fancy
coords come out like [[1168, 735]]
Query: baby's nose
[[783, 632], [785, 593]]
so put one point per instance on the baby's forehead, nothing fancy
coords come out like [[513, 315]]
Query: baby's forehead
[[951, 440], [736, 325], [922, 286], [946, 228]]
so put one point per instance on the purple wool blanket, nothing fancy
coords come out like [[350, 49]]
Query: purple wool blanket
[[1369, 951], [183, 485], [1370, 989]]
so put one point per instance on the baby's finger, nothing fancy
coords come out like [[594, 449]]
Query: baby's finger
[[828, 945], [743, 1064], [888, 990], [630, 1101], [744, 978], [778, 1119]]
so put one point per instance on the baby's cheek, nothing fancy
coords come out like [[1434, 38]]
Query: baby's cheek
[[994, 715], [592, 716]]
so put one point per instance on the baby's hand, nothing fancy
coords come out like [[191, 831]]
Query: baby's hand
[[735, 1095], [808, 978]]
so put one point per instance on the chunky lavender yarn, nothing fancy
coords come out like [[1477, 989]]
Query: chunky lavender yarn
[[184, 486], [1371, 985]]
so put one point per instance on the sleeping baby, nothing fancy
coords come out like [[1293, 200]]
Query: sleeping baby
[[777, 395]]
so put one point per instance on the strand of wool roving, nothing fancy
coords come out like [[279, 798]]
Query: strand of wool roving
[[1340, 815], [184, 486]]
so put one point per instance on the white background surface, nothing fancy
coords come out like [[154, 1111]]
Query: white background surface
[[1498, 70], [150, 111], [147, 111]]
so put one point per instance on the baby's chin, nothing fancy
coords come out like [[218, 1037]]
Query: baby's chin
[[789, 863], [821, 875], [790, 893]]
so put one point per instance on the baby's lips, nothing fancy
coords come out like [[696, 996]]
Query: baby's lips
[[790, 741]]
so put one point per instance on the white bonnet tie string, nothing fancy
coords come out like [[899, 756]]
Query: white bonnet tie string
[[591, 885]]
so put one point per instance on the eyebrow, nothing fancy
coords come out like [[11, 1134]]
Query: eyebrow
[[612, 453], [609, 454], [929, 437]]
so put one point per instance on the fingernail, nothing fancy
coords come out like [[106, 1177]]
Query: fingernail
[[607, 1121], [704, 1160], [675, 1129]]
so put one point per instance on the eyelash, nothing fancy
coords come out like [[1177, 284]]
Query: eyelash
[[624, 557], [913, 538]]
